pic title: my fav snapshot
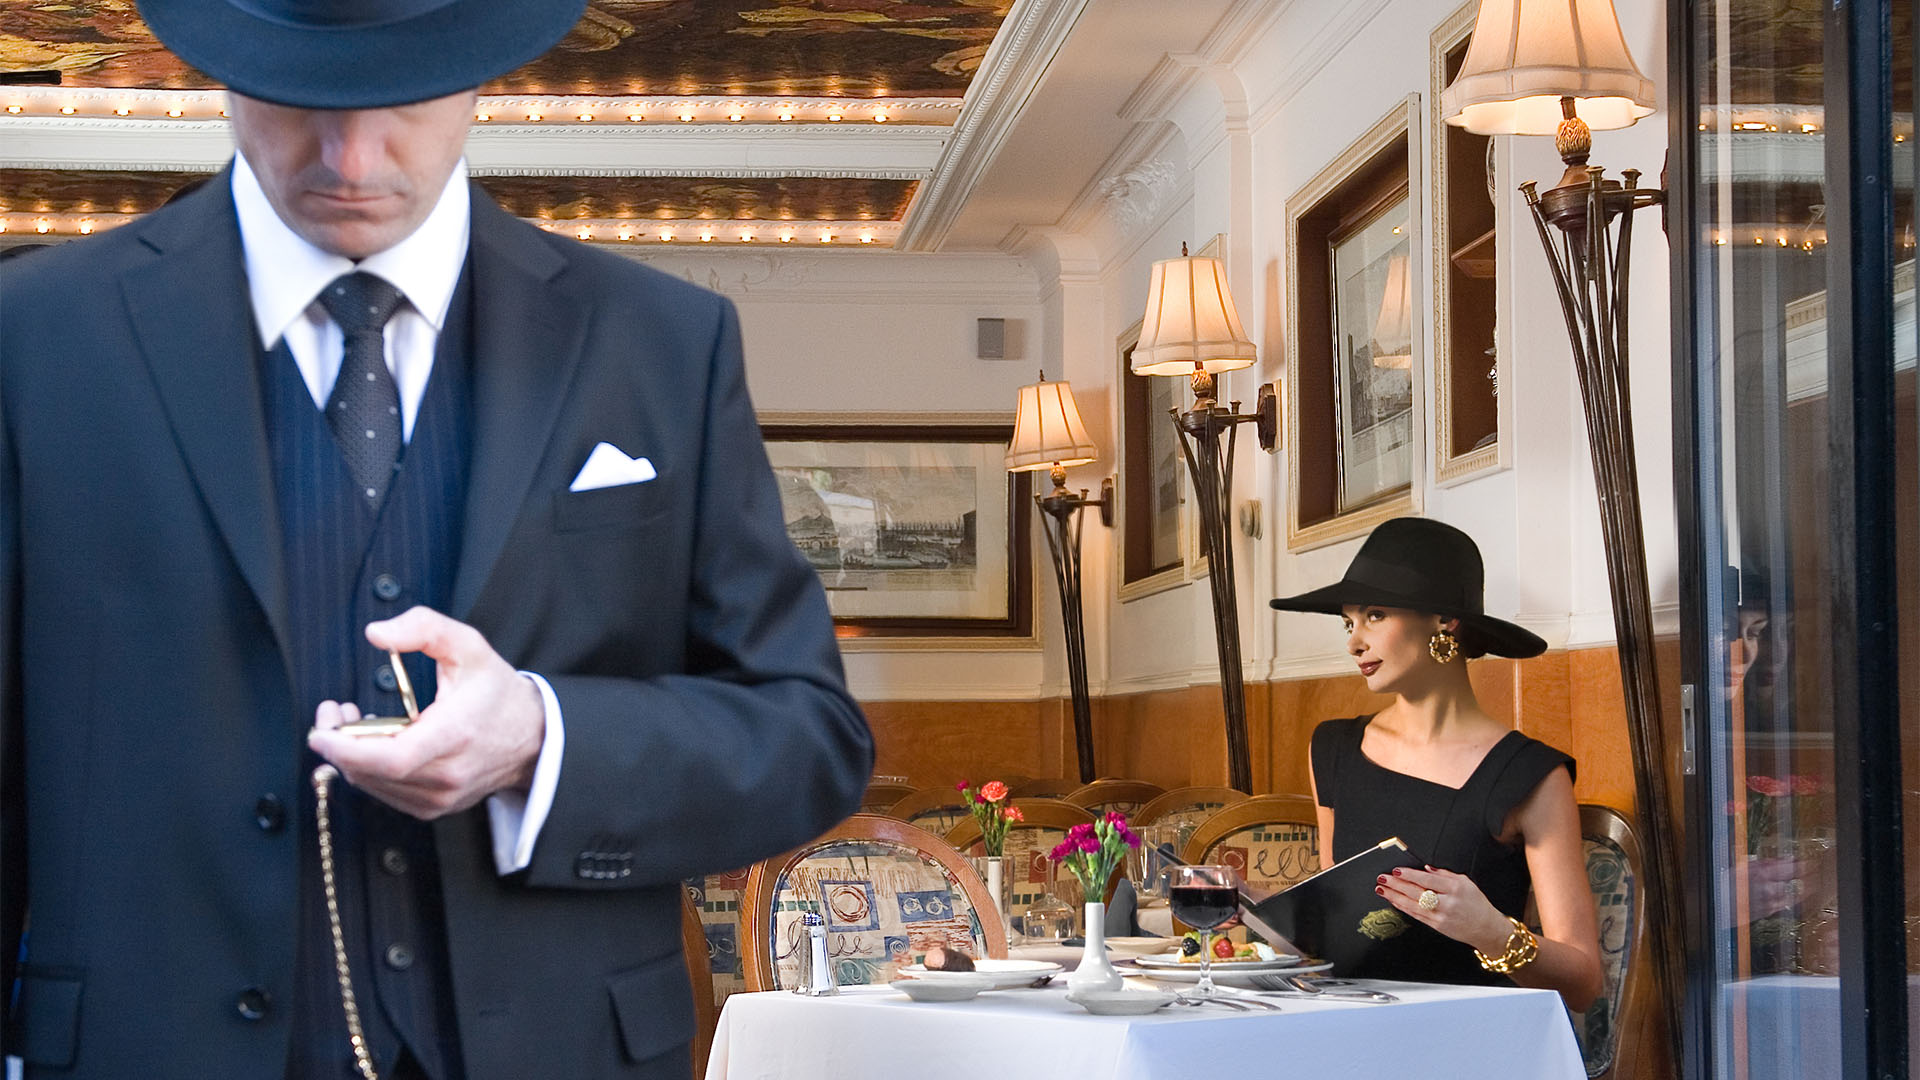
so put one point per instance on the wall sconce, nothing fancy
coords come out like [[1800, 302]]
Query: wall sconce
[[1192, 330], [1048, 434], [1561, 68]]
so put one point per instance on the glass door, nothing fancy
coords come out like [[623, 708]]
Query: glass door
[[1799, 476]]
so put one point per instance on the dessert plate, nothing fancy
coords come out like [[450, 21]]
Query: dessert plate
[[1242, 980], [1172, 960], [1124, 1002], [946, 986]]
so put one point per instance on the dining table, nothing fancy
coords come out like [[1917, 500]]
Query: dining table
[[874, 1032]]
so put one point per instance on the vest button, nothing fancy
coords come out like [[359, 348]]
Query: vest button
[[269, 813], [393, 861], [252, 1004], [383, 678], [399, 957], [386, 587]]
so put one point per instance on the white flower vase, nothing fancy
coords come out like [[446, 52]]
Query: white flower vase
[[997, 886], [1096, 970]]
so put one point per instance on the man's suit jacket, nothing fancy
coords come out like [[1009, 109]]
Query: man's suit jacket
[[152, 749]]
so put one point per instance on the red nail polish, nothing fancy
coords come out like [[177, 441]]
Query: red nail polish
[[1396, 872], [1382, 879], [1381, 889]]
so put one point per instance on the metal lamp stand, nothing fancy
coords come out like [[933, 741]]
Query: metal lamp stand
[[1590, 274], [1061, 509]]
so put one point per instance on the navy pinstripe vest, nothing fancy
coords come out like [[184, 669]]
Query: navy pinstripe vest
[[350, 563]]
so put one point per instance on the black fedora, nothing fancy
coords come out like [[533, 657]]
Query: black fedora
[[357, 54], [1421, 565]]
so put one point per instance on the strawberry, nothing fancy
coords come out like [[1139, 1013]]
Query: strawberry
[[1222, 948]]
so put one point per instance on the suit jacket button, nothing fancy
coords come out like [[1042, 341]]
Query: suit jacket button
[[252, 1004], [270, 813], [386, 587], [393, 861], [399, 957], [384, 679]]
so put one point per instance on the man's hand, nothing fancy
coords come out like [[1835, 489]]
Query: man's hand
[[482, 733]]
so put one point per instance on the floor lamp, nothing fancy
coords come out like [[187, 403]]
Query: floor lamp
[[1048, 434], [1560, 68], [1192, 331]]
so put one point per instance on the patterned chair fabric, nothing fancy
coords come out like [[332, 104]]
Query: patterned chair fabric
[[939, 820], [1610, 876], [717, 898], [884, 904], [1269, 857]]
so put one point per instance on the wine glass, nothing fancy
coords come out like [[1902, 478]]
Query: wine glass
[[1205, 898]]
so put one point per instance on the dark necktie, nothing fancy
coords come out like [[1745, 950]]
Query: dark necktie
[[364, 410]]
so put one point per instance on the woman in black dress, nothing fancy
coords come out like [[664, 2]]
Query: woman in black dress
[[1490, 810]]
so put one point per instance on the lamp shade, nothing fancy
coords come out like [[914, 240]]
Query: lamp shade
[[1528, 54], [1190, 323], [1392, 339], [1047, 431]]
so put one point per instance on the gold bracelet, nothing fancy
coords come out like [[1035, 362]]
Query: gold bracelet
[[1522, 947]]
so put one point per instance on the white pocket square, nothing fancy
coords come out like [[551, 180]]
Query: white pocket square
[[608, 467]]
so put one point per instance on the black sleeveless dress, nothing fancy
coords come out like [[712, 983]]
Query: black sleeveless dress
[[1448, 828]]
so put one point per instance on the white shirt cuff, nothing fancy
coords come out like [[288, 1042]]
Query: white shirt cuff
[[516, 817]]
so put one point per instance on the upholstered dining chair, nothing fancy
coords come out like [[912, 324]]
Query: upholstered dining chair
[[888, 891], [715, 900], [1124, 796], [934, 809], [1273, 841], [1178, 812], [882, 795], [706, 1015], [1044, 787], [1613, 1026], [1030, 843]]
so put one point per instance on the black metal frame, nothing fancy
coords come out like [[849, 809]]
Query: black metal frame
[[1860, 385], [1060, 510], [1866, 693]]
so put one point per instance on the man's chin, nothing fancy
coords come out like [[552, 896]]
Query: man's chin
[[353, 239]]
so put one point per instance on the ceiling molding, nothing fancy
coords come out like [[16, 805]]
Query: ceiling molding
[[870, 151], [808, 275], [1015, 64], [1315, 53]]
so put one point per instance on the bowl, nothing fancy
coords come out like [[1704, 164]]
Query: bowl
[[1128, 947], [1123, 1002], [943, 986]]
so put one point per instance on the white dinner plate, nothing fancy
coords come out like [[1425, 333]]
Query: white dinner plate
[[1003, 974], [1172, 961], [1242, 979], [950, 986]]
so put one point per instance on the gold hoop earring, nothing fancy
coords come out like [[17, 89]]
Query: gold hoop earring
[[1443, 647]]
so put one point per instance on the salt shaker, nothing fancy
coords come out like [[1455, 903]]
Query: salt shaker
[[817, 975]]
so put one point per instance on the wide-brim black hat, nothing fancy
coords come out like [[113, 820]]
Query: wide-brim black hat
[[1421, 565], [357, 54]]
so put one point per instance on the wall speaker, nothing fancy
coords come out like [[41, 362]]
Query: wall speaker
[[992, 334]]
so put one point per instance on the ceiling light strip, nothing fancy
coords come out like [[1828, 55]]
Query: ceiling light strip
[[679, 231], [546, 109]]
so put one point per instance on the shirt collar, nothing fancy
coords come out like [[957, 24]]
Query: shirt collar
[[285, 272]]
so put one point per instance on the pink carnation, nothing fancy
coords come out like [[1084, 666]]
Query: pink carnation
[[1767, 785], [993, 791], [1806, 785], [963, 785], [1014, 814]]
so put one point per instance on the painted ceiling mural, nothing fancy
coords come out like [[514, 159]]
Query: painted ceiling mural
[[807, 48], [540, 198]]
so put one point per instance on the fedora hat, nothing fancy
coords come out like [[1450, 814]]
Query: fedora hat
[[357, 54], [1421, 565]]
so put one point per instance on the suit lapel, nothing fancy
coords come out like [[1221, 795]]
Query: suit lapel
[[190, 312], [528, 335]]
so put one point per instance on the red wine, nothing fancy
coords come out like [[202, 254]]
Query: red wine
[[1204, 907]]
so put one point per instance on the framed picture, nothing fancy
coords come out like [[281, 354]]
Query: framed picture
[[916, 530], [1152, 486], [1354, 400], [1373, 354]]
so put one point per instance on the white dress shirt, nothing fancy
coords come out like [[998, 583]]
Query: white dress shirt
[[285, 274]]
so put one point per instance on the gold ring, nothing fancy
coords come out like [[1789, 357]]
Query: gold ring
[[1428, 900]]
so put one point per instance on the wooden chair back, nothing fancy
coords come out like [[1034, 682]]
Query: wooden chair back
[[1616, 1024], [1045, 787], [1030, 870], [706, 1015], [935, 809], [1124, 796], [715, 900], [882, 795], [888, 891], [1187, 805]]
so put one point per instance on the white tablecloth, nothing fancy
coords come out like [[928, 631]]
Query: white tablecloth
[[875, 1032]]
